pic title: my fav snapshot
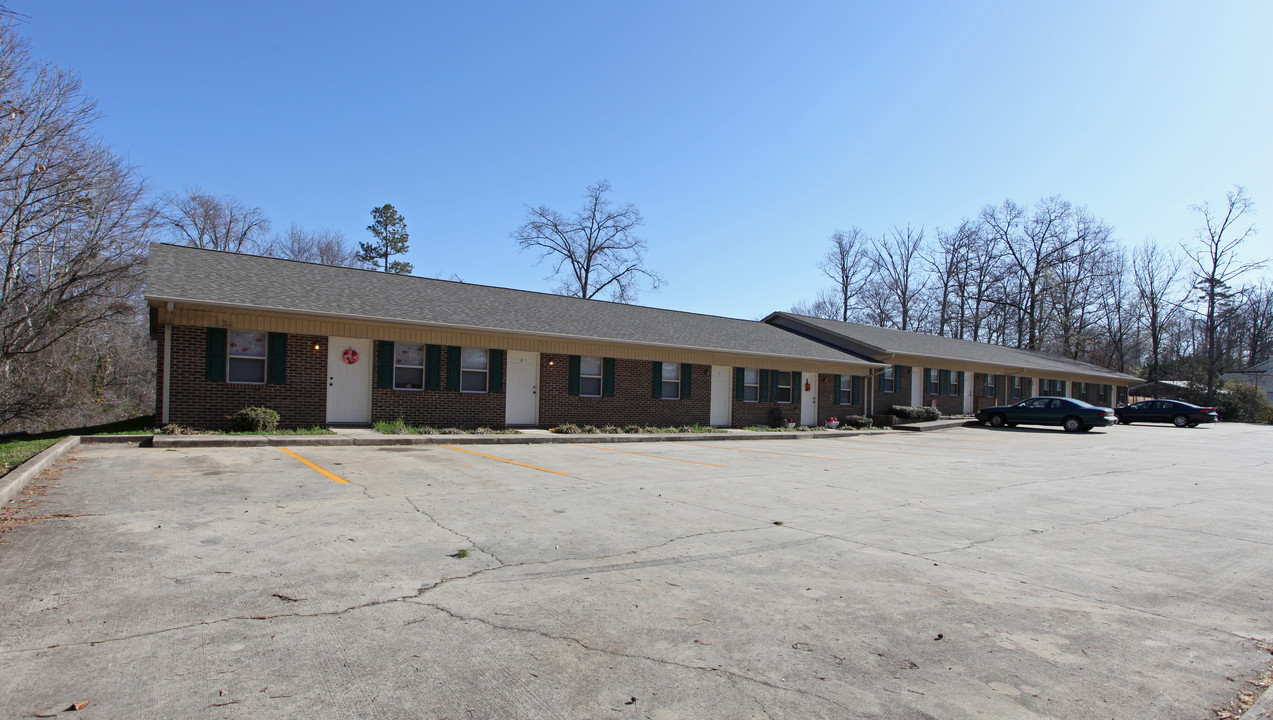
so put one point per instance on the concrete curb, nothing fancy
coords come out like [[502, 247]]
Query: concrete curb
[[930, 425], [29, 470], [211, 441], [1262, 708]]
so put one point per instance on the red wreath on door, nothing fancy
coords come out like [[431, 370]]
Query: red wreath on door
[[350, 357]]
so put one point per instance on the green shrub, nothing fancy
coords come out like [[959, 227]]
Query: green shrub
[[450, 431], [915, 413], [632, 429], [610, 430], [1243, 402], [255, 419], [175, 429], [855, 421], [567, 429]]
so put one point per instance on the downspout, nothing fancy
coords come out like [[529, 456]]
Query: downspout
[[167, 361]]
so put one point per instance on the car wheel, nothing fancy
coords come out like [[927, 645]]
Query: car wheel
[[1180, 421], [1072, 424], [998, 420]]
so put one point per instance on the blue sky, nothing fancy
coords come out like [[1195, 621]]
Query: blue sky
[[745, 132]]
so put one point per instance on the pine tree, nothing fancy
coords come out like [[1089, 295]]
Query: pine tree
[[390, 230]]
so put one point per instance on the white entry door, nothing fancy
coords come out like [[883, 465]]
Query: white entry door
[[348, 380], [968, 391], [521, 395], [808, 399], [722, 396]]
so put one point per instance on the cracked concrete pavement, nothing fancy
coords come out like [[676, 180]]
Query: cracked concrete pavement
[[971, 573]]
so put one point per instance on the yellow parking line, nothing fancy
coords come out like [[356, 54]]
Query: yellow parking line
[[510, 462], [332, 476], [660, 457]]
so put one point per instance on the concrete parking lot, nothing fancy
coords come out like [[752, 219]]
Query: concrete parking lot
[[1025, 573]]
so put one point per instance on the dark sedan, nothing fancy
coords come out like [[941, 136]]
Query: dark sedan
[[1073, 415], [1180, 414]]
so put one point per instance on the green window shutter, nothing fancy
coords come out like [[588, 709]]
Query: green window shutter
[[959, 382], [433, 367], [495, 364], [573, 364], [687, 371], [773, 384], [384, 364], [764, 386], [796, 387], [276, 359], [607, 377], [835, 389], [215, 355], [856, 395], [881, 380], [656, 388], [943, 381], [452, 367], [739, 376]]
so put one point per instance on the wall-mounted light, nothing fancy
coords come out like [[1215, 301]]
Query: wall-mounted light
[[317, 347], [550, 362]]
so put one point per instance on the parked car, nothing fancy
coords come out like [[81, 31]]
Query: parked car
[[1180, 414], [1073, 415]]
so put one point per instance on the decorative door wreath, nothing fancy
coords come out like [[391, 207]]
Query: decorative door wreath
[[350, 356]]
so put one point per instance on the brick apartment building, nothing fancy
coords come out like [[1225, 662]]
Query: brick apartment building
[[332, 345]]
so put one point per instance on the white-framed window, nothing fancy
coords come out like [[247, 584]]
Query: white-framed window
[[934, 381], [474, 370], [888, 379], [1016, 386], [784, 387], [844, 393], [751, 385], [590, 377], [990, 385], [245, 358], [671, 381], [408, 366]]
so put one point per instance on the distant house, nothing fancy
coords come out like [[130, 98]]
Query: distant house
[[957, 376], [334, 345], [1259, 375]]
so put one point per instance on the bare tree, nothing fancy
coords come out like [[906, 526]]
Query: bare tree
[[203, 220], [1156, 274], [1215, 265], [846, 264], [326, 247], [73, 230], [825, 305], [592, 251], [896, 260], [1257, 316]]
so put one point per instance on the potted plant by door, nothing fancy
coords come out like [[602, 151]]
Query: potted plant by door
[[790, 423], [833, 422]]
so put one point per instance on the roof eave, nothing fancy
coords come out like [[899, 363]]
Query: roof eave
[[849, 360]]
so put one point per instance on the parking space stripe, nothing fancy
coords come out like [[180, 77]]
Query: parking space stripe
[[510, 462], [331, 476], [660, 457]]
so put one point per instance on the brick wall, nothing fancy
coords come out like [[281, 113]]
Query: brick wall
[[827, 405], [900, 396], [197, 403], [436, 408], [631, 404]]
